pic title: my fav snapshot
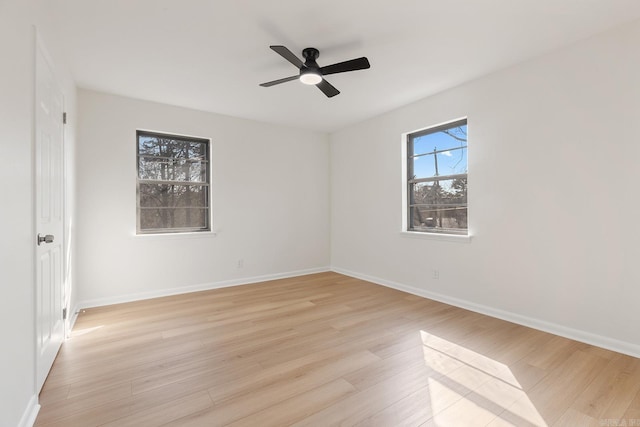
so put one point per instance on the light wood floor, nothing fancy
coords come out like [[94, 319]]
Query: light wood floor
[[325, 350]]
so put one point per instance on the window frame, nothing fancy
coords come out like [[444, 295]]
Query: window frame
[[206, 183], [408, 181]]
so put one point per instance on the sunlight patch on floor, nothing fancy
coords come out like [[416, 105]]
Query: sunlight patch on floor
[[483, 391]]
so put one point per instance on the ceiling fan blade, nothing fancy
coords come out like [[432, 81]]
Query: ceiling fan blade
[[288, 55], [343, 67], [327, 88], [277, 82]]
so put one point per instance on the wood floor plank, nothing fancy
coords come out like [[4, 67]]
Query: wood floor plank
[[613, 390], [523, 413], [359, 406], [573, 417], [92, 416], [465, 412], [324, 350], [72, 406], [633, 412], [254, 399], [412, 360], [558, 391], [329, 360], [298, 407], [165, 413]]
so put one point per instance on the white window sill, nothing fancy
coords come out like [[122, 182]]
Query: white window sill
[[171, 236], [436, 236]]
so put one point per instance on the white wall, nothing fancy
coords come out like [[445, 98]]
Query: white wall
[[16, 305], [18, 399], [553, 178], [270, 203]]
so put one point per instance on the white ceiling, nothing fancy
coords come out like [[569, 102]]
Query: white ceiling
[[212, 54]]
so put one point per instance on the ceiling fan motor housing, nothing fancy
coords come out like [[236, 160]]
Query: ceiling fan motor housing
[[310, 54], [310, 71]]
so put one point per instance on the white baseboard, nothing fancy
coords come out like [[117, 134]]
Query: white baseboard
[[99, 302], [29, 417], [553, 328]]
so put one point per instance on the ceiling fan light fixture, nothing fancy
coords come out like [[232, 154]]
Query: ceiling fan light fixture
[[310, 77]]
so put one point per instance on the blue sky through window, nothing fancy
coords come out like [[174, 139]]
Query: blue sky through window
[[453, 160]]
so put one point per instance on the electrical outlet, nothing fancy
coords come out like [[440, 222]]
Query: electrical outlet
[[436, 274], [240, 263]]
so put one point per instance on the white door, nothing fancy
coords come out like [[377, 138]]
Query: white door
[[49, 216]]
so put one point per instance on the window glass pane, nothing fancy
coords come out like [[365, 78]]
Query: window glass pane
[[439, 206], [441, 140], [158, 168], [171, 196], [439, 219], [168, 147], [444, 191], [163, 218], [448, 190], [450, 162]]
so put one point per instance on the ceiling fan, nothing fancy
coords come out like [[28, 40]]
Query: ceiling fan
[[313, 74]]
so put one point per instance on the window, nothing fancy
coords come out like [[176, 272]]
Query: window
[[173, 183], [437, 179]]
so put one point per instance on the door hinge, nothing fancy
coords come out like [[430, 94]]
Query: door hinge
[[64, 314], [64, 118]]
